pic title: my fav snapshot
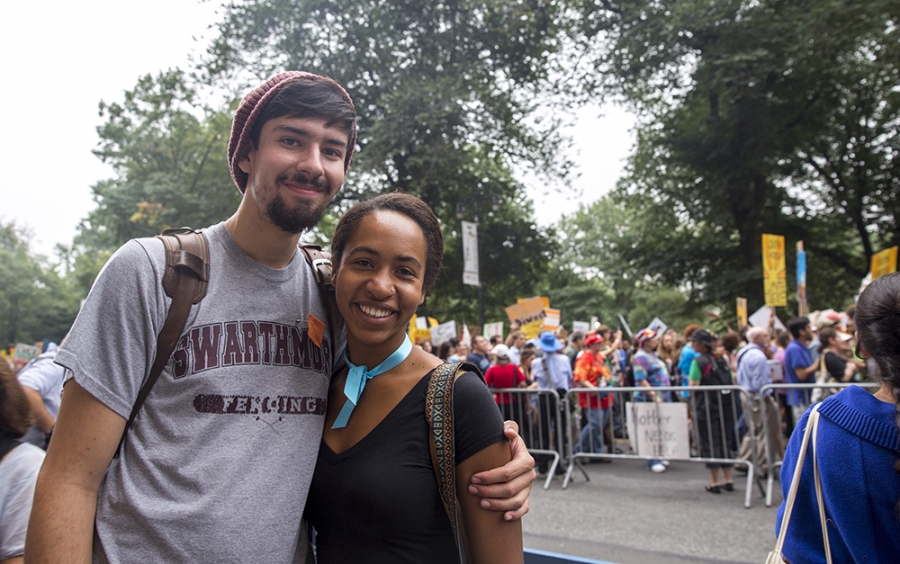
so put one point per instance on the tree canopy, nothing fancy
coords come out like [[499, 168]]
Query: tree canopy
[[755, 117], [37, 302]]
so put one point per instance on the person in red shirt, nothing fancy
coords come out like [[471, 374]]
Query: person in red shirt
[[505, 374], [591, 372]]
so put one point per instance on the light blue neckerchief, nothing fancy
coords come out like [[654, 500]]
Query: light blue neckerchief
[[359, 375]]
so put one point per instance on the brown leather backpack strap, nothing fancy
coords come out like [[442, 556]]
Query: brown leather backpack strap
[[322, 269], [439, 415], [185, 280]]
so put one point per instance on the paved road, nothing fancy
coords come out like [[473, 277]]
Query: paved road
[[628, 515]]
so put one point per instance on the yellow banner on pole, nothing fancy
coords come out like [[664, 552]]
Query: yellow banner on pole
[[742, 312], [774, 271], [884, 262]]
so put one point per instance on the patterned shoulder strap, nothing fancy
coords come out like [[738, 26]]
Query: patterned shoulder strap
[[439, 414]]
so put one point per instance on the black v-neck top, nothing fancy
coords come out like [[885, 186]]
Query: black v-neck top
[[378, 500]]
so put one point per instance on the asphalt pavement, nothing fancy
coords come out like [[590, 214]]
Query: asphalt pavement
[[626, 514]]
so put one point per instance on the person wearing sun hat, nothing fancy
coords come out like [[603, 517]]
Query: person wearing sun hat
[[552, 371], [650, 372]]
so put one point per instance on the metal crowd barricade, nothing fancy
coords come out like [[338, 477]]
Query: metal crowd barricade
[[539, 415], [714, 425], [771, 463]]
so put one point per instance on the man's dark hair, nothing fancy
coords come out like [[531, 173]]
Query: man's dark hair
[[307, 98], [796, 325], [576, 336]]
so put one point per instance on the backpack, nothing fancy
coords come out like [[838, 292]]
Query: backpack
[[185, 280], [716, 373]]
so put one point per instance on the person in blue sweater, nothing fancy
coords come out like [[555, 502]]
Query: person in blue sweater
[[857, 450]]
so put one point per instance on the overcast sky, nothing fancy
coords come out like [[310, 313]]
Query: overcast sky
[[62, 57]]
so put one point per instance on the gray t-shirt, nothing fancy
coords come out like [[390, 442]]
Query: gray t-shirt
[[217, 465]]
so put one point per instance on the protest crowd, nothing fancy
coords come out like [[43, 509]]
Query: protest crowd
[[805, 350]]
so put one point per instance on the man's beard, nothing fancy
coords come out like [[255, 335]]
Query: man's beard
[[293, 220], [301, 217]]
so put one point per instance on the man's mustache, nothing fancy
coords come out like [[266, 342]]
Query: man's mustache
[[318, 182]]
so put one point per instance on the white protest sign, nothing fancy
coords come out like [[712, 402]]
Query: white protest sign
[[493, 329], [443, 332], [659, 430], [761, 318], [658, 326], [581, 326]]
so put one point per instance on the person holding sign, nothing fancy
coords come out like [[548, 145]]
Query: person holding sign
[[650, 372]]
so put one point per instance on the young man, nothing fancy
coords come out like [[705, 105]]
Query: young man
[[799, 366], [480, 352], [217, 465]]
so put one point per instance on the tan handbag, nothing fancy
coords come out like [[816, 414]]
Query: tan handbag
[[812, 429]]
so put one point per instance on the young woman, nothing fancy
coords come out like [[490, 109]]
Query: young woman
[[666, 351], [857, 451], [447, 349], [836, 354], [374, 496]]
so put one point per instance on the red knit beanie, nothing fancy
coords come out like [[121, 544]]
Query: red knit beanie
[[245, 117]]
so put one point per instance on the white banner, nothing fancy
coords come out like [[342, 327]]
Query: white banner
[[470, 253], [658, 326], [443, 332], [659, 430]]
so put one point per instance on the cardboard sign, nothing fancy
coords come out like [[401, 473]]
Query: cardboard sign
[[533, 330], [551, 319], [658, 430], [527, 311], [884, 262], [658, 326], [27, 352], [774, 271], [742, 311], [584, 326], [491, 329], [443, 332], [760, 318]]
